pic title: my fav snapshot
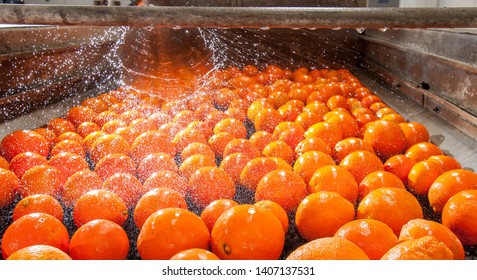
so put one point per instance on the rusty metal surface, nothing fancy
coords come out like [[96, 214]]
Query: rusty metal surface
[[240, 17]]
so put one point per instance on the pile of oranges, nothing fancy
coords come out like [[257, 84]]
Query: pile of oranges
[[259, 164]]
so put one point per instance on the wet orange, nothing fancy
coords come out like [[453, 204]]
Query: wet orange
[[375, 238], [448, 184], [24, 161], [99, 240], [386, 138], [422, 151], [69, 146], [196, 148], [282, 186], [423, 248], [447, 162], [328, 248], [60, 125], [392, 206], [307, 163], [34, 229], [166, 179], [155, 162], [267, 119], [233, 164], [361, 163], [422, 175], [276, 210], [219, 141], [415, 133], [100, 204], [321, 214], [193, 163], [210, 183], [332, 134], [214, 210], [4, 163], [21, 141], [108, 144], [79, 114], [459, 215], [169, 231], [232, 126], [126, 186], [336, 179], [239, 145], [154, 200], [348, 145], [151, 142], [254, 170], [247, 232], [78, 184], [261, 139], [39, 252], [419, 228], [279, 149], [379, 179], [399, 165], [38, 203], [9, 187], [42, 179], [114, 163], [312, 144]]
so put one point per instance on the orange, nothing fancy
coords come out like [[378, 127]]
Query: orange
[[233, 164], [202, 128], [332, 134], [278, 98], [9, 185], [282, 186], [218, 142], [386, 138], [422, 175], [232, 126], [279, 149], [347, 123], [210, 183], [90, 138], [155, 162], [261, 139], [392, 206], [459, 215], [254, 170], [290, 110], [267, 119], [166, 179], [68, 163], [196, 148], [415, 133], [214, 210], [308, 118], [98, 105], [49, 135], [38, 203], [379, 179], [21, 141], [247, 232], [448, 184], [312, 144], [108, 144], [321, 214], [399, 165], [114, 163], [99, 240], [79, 114], [70, 135], [169, 231], [141, 125], [34, 229], [104, 117], [368, 100], [195, 254], [419, 228], [239, 145], [316, 107], [69, 146], [374, 237], [336, 179], [185, 137], [100, 204], [214, 117], [336, 101], [78, 184], [193, 163], [328, 248], [42, 179], [276, 210], [307, 163], [256, 106], [292, 136], [39, 252], [422, 151], [60, 125], [24, 161], [154, 200], [113, 125], [361, 163], [4, 163], [423, 248], [126, 186], [348, 145], [447, 162], [151, 142]]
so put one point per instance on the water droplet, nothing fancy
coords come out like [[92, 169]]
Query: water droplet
[[360, 30]]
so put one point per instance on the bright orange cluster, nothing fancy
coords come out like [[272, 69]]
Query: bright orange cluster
[[259, 164]]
